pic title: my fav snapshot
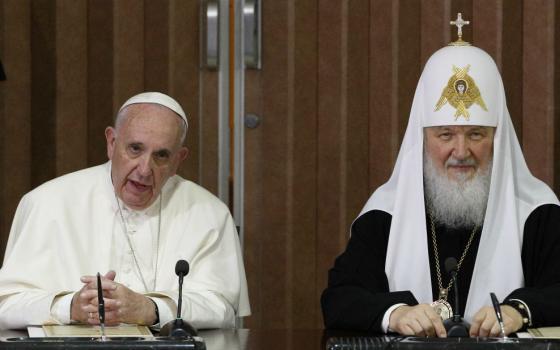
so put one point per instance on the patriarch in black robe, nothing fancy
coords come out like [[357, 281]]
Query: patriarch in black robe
[[460, 188]]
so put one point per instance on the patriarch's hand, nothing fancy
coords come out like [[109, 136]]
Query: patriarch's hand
[[419, 320], [485, 323]]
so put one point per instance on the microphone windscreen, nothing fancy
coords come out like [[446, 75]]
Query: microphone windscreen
[[450, 264], [182, 268]]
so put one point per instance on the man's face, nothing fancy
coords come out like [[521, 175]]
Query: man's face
[[145, 151], [459, 151]]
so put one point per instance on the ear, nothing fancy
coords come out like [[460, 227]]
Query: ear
[[181, 155], [110, 136]]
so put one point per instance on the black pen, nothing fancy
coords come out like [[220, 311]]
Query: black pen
[[101, 307], [498, 311]]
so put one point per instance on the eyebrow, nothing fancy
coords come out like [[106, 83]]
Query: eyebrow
[[162, 150]]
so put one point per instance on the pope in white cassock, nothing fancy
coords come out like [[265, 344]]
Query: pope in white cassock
[[131, 219], [461, 192]]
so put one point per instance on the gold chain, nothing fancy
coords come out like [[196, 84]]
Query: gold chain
[[434, 241]]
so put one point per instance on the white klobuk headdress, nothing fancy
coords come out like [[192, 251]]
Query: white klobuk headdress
[[460, 85]]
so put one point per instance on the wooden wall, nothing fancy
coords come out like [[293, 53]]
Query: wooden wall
[[334, 96]]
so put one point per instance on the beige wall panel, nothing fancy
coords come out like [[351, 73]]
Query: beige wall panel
[[512, 61], [383, 125], [538, 92], [434, 27], [208, 126], [71, 86], [100, 77], [43, 94], [255, 197], [332, 125], [156, 45], [487, 29], [332, 116], [183, 74], [277, 129], [343, 101], [302, 245], [128, 50], [408, 59]]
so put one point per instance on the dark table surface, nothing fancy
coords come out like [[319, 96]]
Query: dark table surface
[[299, 339]]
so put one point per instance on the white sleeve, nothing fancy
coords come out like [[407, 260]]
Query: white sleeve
[[386, 316], [61, 308], [32, 307], [165, 309]]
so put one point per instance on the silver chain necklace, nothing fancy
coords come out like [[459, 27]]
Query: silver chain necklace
[[125, 227]]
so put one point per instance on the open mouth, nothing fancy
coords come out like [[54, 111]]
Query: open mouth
[[139, 187]]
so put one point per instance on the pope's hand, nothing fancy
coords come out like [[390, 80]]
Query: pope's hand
[[485, 323], [122, 305], [419, 320], [84, 301]]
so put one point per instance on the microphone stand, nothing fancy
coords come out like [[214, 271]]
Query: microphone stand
[[179, 328], [456, 326]]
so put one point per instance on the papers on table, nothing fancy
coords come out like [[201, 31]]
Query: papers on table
[[89, 331]]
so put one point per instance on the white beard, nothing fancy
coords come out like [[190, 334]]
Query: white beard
[[456, 204]]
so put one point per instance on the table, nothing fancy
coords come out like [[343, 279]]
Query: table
[[299, 339]]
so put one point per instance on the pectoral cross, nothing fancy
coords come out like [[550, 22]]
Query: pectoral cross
[[459, 22]]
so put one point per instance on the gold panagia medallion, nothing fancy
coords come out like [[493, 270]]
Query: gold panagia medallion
[[461, 92], [442, 308]]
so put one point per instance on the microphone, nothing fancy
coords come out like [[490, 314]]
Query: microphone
[[179, 328], [455, 326], [451, 265], [181, 270]]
